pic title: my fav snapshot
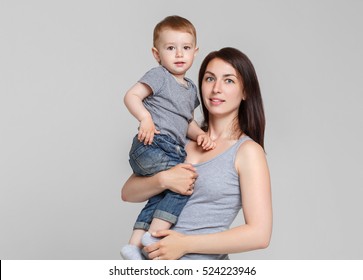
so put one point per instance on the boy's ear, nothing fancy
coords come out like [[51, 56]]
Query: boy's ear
[[196, 51], [156, 54]]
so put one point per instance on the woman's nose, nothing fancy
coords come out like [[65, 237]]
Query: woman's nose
[[216, 87]]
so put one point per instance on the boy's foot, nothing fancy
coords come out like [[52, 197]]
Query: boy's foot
[[131, 252], [148, 239]]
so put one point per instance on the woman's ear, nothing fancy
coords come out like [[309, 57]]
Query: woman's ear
[[244, 95], [156, 54]]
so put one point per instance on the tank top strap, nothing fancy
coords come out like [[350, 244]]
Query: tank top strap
[[238, 144], [242, 140]]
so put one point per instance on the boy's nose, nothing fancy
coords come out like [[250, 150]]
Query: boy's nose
[[179, 53]]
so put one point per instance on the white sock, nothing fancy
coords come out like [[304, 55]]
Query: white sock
[[131, 252], [147, 239]]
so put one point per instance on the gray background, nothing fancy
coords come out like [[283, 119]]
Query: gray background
[[65, 133]]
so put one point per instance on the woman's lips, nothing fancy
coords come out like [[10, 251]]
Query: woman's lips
[[216, 101]]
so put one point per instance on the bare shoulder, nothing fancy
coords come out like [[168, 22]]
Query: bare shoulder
[[250, 148], [250, 154]]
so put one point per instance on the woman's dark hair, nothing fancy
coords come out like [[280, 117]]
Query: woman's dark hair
[[251, 116]]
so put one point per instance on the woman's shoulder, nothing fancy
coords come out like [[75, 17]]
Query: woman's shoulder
[[249, 152], [248, 145]]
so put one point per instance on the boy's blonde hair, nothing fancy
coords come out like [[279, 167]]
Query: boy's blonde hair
[[175, 23]]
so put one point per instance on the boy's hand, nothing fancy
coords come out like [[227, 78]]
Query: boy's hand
[[146, 131], [206, 142]]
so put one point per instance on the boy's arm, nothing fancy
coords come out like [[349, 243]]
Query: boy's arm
[[194, 130], [197, 134], [133, 101]]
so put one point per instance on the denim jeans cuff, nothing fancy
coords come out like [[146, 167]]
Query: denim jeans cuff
[[162, 215], [142, 225]]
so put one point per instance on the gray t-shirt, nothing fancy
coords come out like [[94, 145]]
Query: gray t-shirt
[[172, 104], [216, 199]]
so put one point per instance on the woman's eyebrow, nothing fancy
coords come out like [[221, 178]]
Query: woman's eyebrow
[[209, 72], [229, 75], [224, 76]]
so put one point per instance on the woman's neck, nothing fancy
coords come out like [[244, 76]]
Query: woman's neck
[[223, 129]]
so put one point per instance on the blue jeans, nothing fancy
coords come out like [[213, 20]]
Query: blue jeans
[[146, 160]]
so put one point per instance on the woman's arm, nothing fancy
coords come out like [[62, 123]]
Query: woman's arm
[[179, 179], [257, 210]]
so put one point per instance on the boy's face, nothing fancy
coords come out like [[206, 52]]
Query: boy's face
[[175, 50]]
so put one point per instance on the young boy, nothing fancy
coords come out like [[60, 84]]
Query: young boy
[[163, 101]]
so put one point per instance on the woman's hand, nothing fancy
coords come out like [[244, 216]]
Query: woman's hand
[[172, 246], [179, 179]]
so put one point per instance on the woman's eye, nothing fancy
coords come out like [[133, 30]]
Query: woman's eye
[[209, 79], [229, 81]]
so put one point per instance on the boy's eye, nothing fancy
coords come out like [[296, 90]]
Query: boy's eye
[[187, 48], [170, 48]]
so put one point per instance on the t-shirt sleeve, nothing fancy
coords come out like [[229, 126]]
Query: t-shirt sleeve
[[196, 103], [154, 78]]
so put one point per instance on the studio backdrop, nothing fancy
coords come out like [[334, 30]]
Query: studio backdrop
[[65, 132]]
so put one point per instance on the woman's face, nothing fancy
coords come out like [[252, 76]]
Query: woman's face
[[222, 89]]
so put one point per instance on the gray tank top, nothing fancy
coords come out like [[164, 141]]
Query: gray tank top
[[216, 200]]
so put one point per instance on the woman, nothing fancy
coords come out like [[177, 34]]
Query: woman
[[222, 180]]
